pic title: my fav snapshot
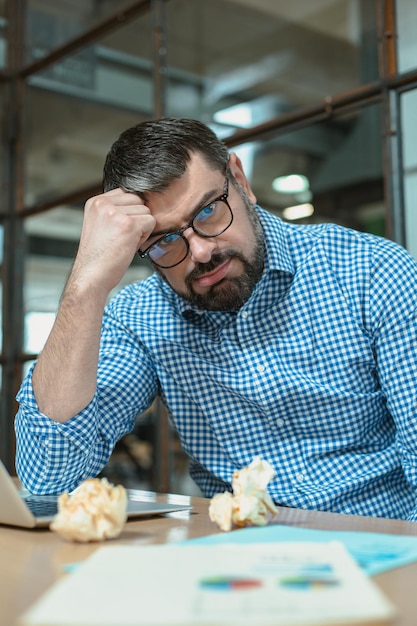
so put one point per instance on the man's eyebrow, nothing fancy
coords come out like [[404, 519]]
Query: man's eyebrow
[[208, 197]]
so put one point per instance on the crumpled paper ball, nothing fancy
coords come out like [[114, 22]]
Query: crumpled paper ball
[[250, 503], [94, 511]]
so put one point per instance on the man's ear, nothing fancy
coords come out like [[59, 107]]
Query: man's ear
[[236, 168]]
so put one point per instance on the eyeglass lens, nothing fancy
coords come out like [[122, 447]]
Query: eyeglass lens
[[210, 221]]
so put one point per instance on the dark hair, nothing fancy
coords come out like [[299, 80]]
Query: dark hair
[[149, 156]]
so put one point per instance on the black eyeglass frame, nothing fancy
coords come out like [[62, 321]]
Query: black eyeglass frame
[[222, 198]]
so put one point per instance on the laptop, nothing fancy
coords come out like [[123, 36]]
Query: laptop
[[19, 508]]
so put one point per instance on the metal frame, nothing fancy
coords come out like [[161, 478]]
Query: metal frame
[[13, 249]]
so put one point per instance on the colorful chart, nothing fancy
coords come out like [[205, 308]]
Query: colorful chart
[[307, 583], [223, 583]]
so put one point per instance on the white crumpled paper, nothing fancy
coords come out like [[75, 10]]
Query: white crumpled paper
[[250, 503], [94, 511]]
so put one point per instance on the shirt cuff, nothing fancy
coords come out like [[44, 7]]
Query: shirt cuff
[[77, 430]]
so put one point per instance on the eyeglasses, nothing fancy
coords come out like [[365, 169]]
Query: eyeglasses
[[210, 221]]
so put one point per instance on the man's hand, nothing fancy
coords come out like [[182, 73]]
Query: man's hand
[[115, 225]]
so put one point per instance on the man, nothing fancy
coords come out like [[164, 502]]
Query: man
[[294, 343]]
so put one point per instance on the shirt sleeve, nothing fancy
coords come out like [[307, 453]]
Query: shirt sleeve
[[393, 310], [53, 457]]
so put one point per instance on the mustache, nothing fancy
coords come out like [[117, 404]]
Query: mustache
[[215, 261]]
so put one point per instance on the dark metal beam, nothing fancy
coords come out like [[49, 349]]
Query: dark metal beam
[[160, 57], [391, 123], [13, 248]]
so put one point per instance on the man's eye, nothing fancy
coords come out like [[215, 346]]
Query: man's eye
[[170, 238], [206, 212]]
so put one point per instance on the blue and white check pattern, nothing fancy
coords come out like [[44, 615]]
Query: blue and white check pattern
[[317, 373]]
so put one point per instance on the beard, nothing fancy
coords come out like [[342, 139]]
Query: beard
[[229, 294]]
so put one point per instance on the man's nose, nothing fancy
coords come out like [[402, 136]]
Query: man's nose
[[201, 248]]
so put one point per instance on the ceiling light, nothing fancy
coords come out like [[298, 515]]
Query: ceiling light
[[298, 211], [239, 115], [294, 183]]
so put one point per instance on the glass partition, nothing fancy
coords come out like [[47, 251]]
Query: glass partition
[[406, 43], [330, 171], [51, 24], [52, 241], [240, 63], [67, 141]]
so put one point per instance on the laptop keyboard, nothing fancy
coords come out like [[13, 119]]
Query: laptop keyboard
[[41, 507]]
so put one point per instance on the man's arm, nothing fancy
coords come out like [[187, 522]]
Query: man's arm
[[393, 311], [52, 457], [65, 376]]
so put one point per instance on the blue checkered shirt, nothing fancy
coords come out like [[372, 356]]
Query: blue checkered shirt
[[316, 373]]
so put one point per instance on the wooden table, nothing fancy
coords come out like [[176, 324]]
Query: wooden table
[[31, 561]]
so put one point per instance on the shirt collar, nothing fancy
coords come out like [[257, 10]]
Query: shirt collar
[[278, 255]]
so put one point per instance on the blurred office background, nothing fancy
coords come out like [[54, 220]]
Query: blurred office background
[[317, 97]]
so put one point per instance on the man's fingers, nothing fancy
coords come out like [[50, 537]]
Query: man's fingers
[[114, 217], [120, 197]]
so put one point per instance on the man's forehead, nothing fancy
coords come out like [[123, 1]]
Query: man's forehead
[[198, 172], [178, 204]]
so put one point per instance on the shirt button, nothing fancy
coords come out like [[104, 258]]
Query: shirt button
[[299, 477], [260, 368], [245, 315], [280, 422]]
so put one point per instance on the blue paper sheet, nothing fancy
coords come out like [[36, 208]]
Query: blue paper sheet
[[374, 552]]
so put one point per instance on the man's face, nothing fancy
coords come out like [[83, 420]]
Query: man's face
[[219, 273]]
